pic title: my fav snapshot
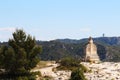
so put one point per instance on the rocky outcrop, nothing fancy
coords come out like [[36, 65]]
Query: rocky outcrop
[[91, 51], [102, 71], [55, 75]]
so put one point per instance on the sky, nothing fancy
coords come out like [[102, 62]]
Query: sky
[[59, 19]]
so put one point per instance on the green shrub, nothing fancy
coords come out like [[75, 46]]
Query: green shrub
[[68, 62], [22, 78], [77, 75], [83, 68]]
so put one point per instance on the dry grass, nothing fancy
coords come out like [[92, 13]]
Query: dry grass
[[43, 64]]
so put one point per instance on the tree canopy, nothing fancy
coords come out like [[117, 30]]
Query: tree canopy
[[21, 55]]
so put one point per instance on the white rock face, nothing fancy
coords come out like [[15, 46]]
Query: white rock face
[[103, 71]]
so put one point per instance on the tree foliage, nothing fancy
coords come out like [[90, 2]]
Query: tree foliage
[[74, 65], [69, 62], [77, 75], [21, 55]]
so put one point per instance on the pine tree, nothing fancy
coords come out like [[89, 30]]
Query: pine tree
[[22, 54]]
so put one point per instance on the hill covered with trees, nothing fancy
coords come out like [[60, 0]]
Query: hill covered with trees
[[108, 48]]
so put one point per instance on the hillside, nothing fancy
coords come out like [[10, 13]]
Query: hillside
[[55, 50], [108, 48]]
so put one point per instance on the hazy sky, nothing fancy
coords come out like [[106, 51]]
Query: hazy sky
[[53, 19]]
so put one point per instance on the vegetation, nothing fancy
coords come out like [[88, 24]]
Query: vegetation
[[68, 63], [56, 50], [74, 65], [108, 48], [19, 57], [77, 75]]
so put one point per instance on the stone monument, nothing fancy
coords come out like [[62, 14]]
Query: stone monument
[[91, 52]]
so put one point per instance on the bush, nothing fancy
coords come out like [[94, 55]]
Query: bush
[[77, 75], [22, 76], [84, 69], [69, 62]]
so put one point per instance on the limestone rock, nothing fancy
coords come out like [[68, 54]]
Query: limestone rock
[[91, 52]]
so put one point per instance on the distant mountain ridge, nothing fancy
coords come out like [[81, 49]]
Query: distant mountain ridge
[[108, 48], [105, 40]]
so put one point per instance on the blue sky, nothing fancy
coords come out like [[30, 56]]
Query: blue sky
[[56, 19]]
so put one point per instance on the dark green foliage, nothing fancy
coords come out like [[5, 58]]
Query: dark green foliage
[[20, 76], [101, 49], [108, 48], [74, 65], [77, 75], [113, 53], [69, 62], [2, 55], [25, 51], [55, 50], [20, 56]]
